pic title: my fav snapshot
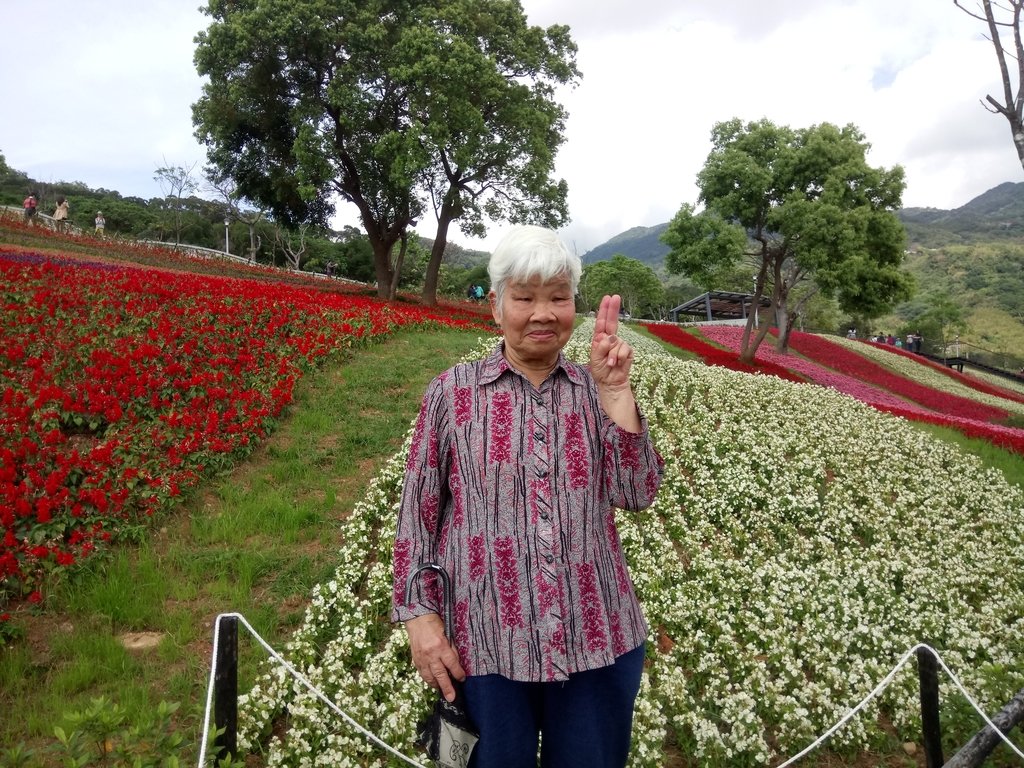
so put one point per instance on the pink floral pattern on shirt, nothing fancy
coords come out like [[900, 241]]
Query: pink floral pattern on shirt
[[508, 583], [463, 404], [575, 451], [477, 557], [501, 427]]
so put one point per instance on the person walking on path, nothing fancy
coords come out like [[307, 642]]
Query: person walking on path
[[517, 466]]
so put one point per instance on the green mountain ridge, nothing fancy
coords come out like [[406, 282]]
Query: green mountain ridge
[[995, 214], [974, 254]]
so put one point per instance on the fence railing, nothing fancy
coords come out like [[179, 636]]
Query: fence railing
[[222, 701], [958, 350]]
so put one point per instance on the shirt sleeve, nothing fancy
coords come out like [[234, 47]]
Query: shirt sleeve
[[633, 467], [424, 496]]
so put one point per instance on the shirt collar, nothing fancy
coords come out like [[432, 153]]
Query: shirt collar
[[495, 364]]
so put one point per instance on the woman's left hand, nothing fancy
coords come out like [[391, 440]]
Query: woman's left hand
[[610, 357]]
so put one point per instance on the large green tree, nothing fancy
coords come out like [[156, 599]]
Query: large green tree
[[481, 83], [301, 108], [634, 281], [388, 105], [798, 206]]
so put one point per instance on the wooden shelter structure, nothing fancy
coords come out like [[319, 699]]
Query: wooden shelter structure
[[719, 305]]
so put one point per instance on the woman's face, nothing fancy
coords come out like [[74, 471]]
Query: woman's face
[[536, 318]]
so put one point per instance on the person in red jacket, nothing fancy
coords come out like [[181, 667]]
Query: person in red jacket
[[30, 209]]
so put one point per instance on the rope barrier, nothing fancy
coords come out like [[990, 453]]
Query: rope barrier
[[882, 686], [376, 740], [294, 673]]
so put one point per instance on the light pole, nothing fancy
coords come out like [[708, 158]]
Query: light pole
[[227, 243]]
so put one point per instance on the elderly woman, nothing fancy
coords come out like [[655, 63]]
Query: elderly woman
[[516, 466]]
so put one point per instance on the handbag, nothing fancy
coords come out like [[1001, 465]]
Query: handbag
[[447, 733]]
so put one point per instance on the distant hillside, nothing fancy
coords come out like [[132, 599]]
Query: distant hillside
[[641, 243], [974, 253], [994, 215]]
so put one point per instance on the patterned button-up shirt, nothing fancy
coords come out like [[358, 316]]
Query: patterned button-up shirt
[[511, 489]]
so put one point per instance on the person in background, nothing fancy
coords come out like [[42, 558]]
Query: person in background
[[100, 222], [517, 465], [30, 209], [60, 215]]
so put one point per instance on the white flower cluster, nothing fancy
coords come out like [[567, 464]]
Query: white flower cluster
[[800, 544]]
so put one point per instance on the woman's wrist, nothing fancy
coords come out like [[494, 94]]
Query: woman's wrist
[[620, 406]]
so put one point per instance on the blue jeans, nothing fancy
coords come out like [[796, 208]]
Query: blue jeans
[[585, 721]]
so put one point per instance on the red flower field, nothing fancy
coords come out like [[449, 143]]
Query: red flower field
[[122, 386]]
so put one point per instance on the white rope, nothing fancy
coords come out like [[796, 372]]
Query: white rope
[[294, 673], [375, 739], [882, 685]]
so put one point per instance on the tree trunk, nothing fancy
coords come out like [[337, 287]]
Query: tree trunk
[[1012, 108], [382, 266], [396, 273], [444, 220], [747, 330], [782, 323], [782, 346], [748, 349], [748, 354], [780, 300], [974, 752], [429, 295]]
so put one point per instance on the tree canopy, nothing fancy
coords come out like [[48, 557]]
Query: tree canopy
[[393, 107], [637, 284], [797, 206]]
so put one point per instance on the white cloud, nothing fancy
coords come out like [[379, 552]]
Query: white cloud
[[107, 106]]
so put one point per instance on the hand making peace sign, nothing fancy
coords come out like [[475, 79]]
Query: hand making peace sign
[[610, 362], [610, 357]]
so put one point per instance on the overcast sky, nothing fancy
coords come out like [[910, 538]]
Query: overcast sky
[[101, 92]]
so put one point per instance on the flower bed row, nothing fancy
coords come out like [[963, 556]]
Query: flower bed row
[[713, 355], [838, 358], [935, 375], [797, 549], [875, 394], [121, 386], [87, 246]]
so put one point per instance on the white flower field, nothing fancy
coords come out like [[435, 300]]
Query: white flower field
[[801, 543]]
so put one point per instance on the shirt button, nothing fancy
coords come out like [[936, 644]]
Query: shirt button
[[549, 558], [544, 515], [538, 435]]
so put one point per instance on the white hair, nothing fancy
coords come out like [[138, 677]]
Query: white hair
[[527, 252]]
